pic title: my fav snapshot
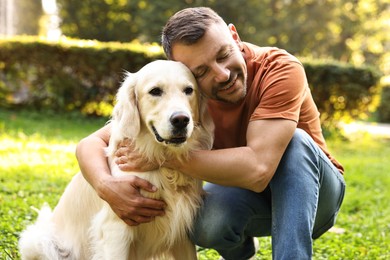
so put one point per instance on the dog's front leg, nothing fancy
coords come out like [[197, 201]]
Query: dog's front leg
[[73, 214], [110, 236]]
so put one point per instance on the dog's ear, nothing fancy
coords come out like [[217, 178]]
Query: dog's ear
[[125, 115], [206, 122]]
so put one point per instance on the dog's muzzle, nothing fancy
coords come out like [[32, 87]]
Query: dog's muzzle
[[179, 122]]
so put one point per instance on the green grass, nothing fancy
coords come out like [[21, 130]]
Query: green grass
[[37, 160]]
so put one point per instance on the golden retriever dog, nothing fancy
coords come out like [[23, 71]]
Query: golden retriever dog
[[161, 110]]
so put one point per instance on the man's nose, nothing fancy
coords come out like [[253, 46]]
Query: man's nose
[[221, 73]]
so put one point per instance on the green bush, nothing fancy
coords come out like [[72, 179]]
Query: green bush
[[69, 75], [341, 90], [84, 75]]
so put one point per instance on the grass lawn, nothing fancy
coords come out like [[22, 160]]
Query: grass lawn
[[37, 160]]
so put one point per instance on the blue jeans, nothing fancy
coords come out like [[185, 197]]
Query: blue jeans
[[300, 204]]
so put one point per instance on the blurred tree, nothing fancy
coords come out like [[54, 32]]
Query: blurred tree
[[366, 33], [300, 26], [103, 20], [152, 15], [355, 31]]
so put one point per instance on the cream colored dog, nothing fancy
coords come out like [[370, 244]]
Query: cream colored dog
[[162, 111]]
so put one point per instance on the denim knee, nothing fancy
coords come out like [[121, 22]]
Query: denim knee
[[226, 213], [301, 139], [209, 231], [302, 151]]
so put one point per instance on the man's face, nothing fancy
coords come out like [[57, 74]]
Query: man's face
[[217, 63]]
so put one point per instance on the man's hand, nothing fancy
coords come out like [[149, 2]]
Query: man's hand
[[128, 159], [123, 195]]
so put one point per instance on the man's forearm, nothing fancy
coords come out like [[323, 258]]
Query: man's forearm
[[231, 167], [251, 167], [92, 160]]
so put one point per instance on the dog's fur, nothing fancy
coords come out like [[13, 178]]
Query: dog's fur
[[161, 110]]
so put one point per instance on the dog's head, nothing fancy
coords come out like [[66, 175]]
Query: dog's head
[[160, 102]]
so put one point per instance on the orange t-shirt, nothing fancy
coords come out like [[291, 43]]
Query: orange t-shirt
[[276, 88]]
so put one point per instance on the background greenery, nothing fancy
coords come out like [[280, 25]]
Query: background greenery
[[37, 161], [350, 31], [37, 145], [383, 111], [67, 75], [84, 75]]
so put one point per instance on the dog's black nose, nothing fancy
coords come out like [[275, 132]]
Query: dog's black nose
[[179, 120]]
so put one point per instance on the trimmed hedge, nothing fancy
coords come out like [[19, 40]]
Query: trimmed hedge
[[69, 75], [84, 75], [342, 90]]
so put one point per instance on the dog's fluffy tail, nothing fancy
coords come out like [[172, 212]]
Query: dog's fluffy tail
[[38, 241]]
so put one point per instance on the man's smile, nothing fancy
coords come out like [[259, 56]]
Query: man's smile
[[228, 86]]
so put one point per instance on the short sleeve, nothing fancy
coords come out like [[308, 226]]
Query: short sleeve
[[282, 92]]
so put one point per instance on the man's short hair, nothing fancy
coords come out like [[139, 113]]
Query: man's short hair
[[187, 27]]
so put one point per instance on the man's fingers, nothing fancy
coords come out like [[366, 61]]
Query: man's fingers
[[144, 184], [121, 151], [125, 143], [129, 203], [124, 147], [121, 160], [138, 220], [151, 207], [125, 164], [139, 215], [156, 209], [130, 222]]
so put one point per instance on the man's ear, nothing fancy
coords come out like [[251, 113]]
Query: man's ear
[[234, 33]]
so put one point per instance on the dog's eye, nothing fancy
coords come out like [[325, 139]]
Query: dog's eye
[[188, 90], [156, 91]]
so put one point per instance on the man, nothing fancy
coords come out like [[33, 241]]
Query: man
[[270, 172]]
